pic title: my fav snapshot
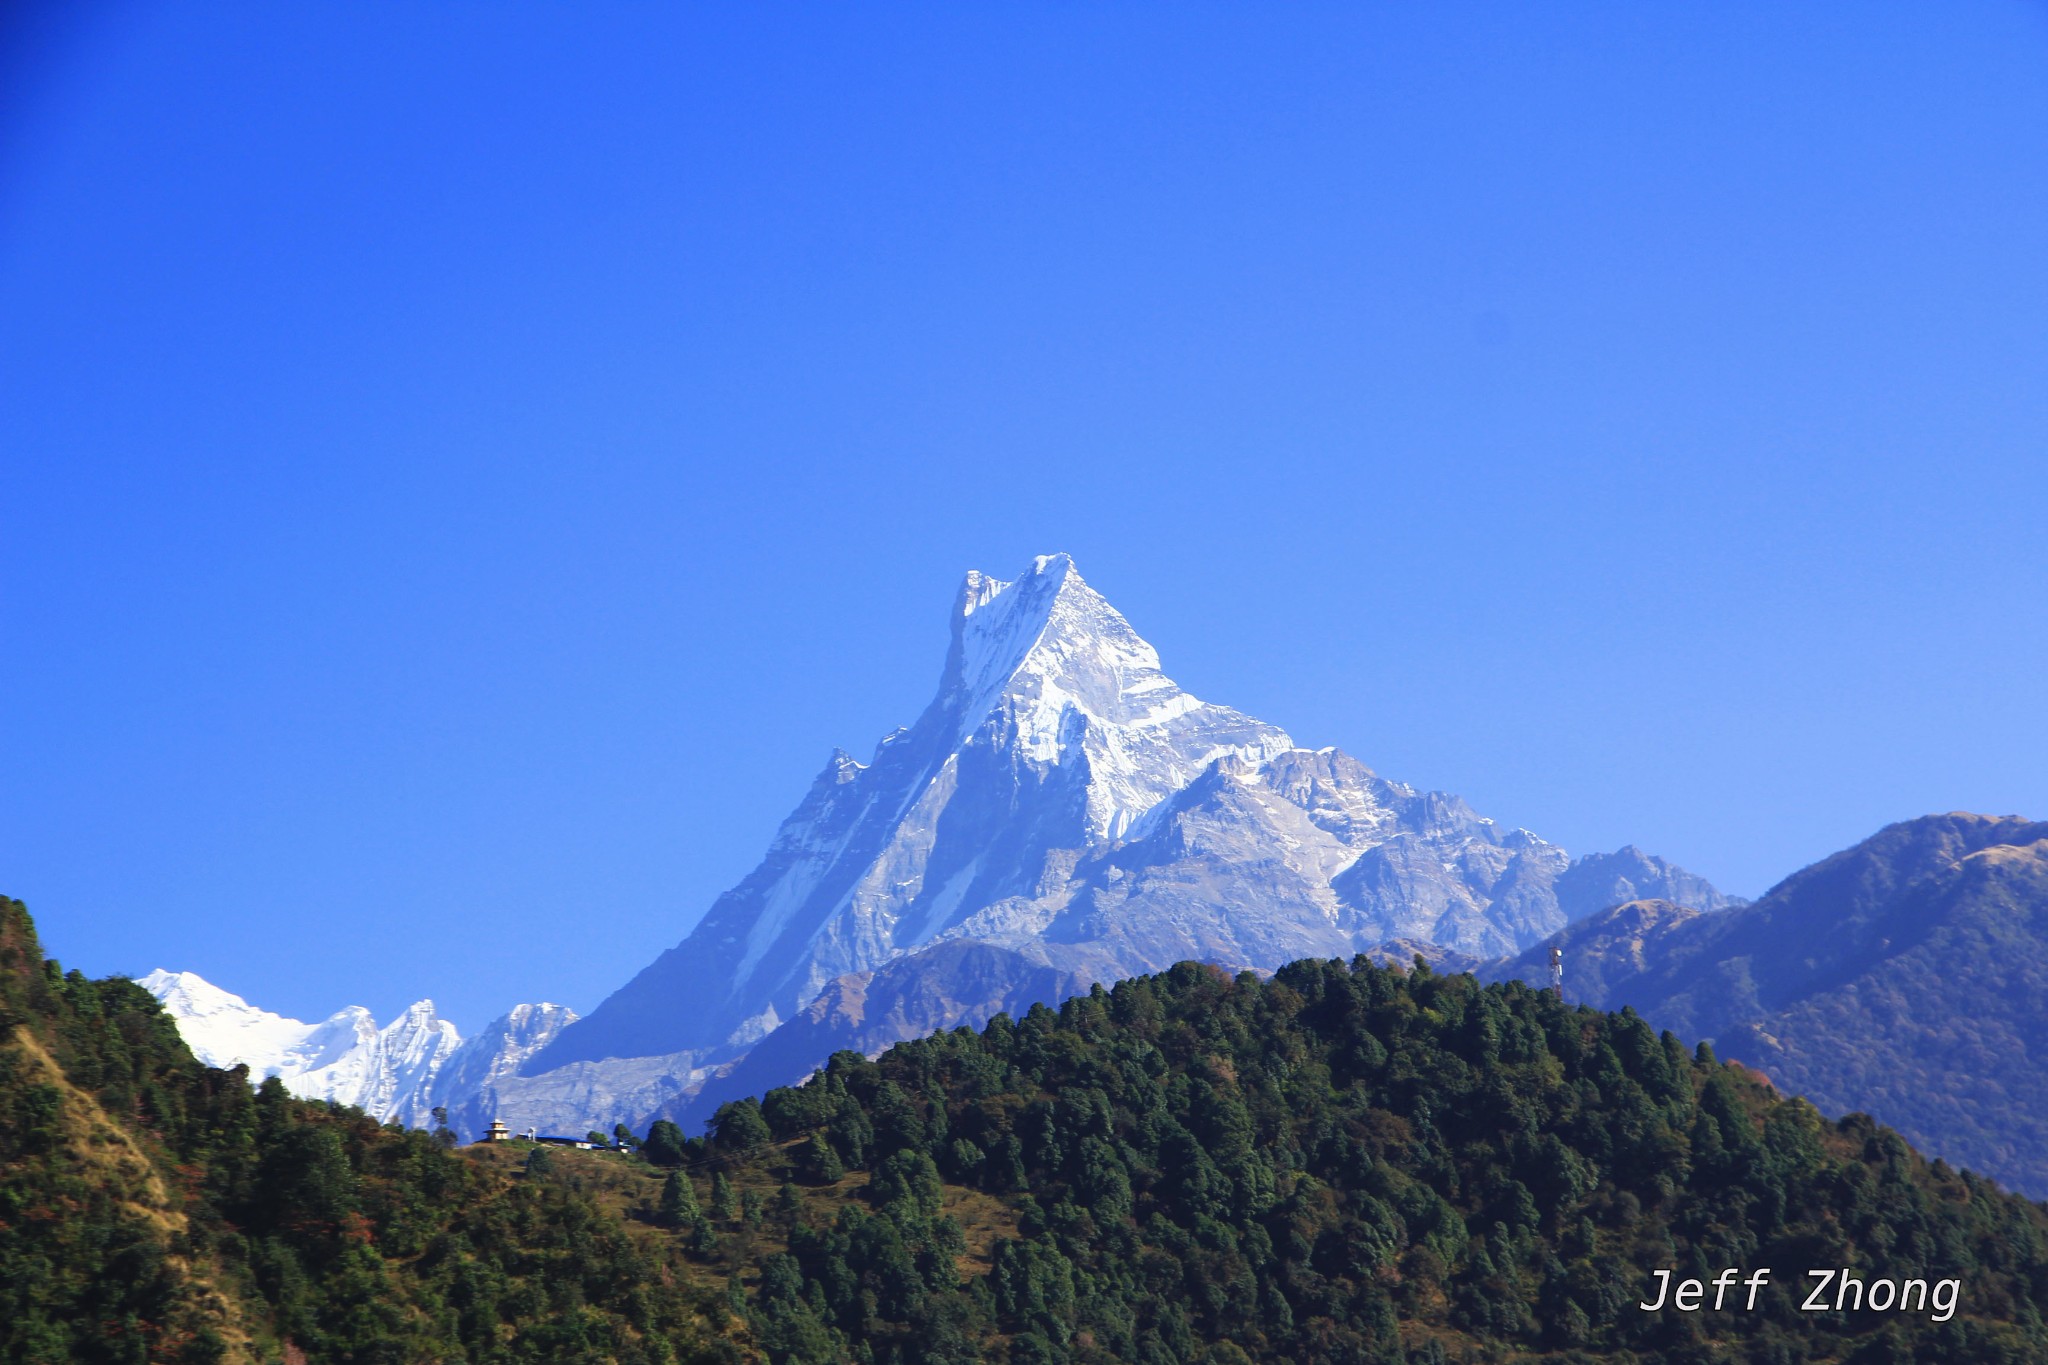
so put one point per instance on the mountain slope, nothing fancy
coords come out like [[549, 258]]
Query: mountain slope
[[1063, 800], [155, 1209], [1341, 1163], [1907, 976], [398, 1073]]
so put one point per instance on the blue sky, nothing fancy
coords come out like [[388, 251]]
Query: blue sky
[[465, 468]]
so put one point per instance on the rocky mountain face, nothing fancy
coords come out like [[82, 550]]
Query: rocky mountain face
[[1906, 977], [1599, 880], [1061, 814], [468, 1085], [400, 1072]]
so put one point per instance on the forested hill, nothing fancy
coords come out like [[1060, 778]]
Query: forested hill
[[1350, 1163], [153, 1209], [1906, 976], [1344, 1163]]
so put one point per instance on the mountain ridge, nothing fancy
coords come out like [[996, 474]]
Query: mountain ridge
[[1331, 1163], [1061, 799], [398, 1073], [1905, 976]]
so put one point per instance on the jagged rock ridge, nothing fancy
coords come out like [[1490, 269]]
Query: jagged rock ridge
[[1066, 806], [400, 1072]]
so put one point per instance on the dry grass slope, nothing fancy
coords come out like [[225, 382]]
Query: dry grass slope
[[108, 1156]]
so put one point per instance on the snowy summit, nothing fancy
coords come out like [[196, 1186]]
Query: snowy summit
[[1061, 813], [399, 1072]]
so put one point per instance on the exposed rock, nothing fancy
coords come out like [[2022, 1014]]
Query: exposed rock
[[1065, 806]]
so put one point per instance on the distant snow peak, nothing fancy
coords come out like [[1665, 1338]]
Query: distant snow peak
[[393, 1073], [224, 1030]]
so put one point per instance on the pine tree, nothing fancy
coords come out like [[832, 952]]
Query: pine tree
[[735, 1295], [678, 1202], [664, 1145], [821, 1161], [724, 1206], [739, 1127]]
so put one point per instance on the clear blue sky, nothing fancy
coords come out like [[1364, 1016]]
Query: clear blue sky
[[465, 466]]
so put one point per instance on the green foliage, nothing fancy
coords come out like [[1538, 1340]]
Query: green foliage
[[1347, 1163], [664, 1145], [724, 1204], [738, 1128], [155, 1209], [821, 1162], [1341, 1163], [678, 1207]]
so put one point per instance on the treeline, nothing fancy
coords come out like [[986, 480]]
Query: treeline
[[1342, 1163]]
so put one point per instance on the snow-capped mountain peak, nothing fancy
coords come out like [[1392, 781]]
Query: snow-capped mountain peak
[[224, 1030], [1047, 669], [1049, 634], [1053, 728], [399, 1072], [1061, 812]]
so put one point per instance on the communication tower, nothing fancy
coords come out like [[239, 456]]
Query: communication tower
[[1557, 970]]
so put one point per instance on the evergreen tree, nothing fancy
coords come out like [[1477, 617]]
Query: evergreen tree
[[739, 1128], [724, 1206], [821, 1162], [789, 1206], [678, 1207], [664, 1145]]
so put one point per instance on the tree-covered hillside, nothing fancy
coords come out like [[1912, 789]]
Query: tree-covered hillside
[[1907, 977], [1349, 1163], [1344, 1163], [153, 1209]]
